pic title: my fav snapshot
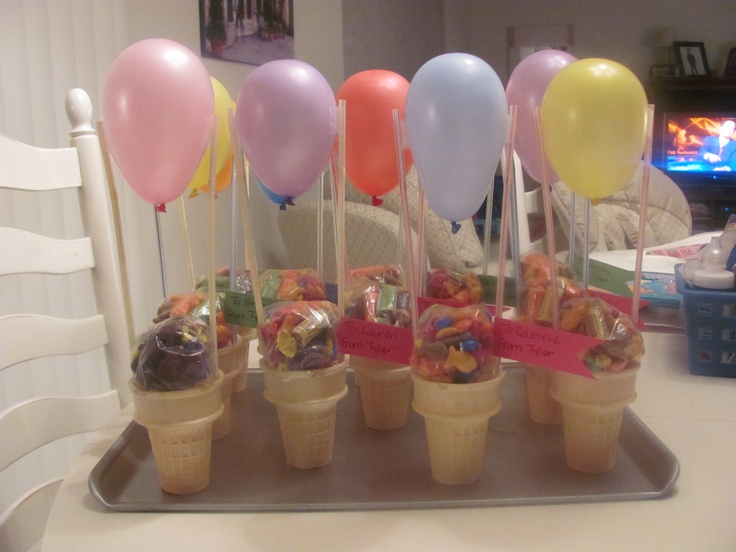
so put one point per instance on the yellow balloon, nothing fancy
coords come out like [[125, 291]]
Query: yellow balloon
[[593, 118], [223, 102]]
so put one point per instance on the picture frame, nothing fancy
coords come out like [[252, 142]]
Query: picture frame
[[730, 71], [661, 71], [245, 31], [691, 59]]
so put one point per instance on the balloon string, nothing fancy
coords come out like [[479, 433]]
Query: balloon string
[[406, 225], [487, 227], [508, 183], [643, 214], [161, 256], [548, 219]]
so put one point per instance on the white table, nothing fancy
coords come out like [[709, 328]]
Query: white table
[[694, 416]]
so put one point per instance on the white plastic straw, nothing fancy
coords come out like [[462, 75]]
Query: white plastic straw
[[211, 291], [642, 215], [409, 256], [251, 262]]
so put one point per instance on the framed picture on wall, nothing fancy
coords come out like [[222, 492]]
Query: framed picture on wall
[[691, 59], [247, 31]]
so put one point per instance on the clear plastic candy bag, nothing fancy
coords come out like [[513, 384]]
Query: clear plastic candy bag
[[455, 345], [299, 335], [172, 355]]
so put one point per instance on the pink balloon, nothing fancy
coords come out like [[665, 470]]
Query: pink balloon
[[286, 121], [527, 84], [158, 107]]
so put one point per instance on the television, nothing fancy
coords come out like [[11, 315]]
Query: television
[[698, 152], [700, 149]]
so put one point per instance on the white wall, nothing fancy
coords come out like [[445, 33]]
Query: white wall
[[622, 30], [398, 36]]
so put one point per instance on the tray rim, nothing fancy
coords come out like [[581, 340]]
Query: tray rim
[[631, 420]]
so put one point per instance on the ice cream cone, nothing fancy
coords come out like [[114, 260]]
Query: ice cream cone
[[230, 362], [179, 425], [306, 404], [385, 391], [456, 421], [247, 335], [592, 410], [543, 409]]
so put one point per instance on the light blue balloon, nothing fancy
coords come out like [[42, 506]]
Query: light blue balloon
[[281, 201], [456, 119]]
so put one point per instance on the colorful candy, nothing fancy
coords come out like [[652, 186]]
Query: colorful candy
[[623, 347], [373, 301], [197, 305], [444, 284], [292, 285], [536, 295], [299, 335], [385, 274], [455, 345]]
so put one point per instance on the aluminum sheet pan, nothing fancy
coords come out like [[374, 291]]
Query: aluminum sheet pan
[[371, 470]]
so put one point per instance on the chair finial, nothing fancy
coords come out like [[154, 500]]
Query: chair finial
[[79, 112]]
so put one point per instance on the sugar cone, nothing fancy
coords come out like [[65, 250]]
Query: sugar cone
[[456, 420], [230, 362], [592, 410], [247, 335], [543, 409], [179, 425], [306, 404], [385, 391]]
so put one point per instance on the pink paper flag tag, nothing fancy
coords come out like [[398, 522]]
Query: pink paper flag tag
[[369, 339], [621, 303], [542, 346]]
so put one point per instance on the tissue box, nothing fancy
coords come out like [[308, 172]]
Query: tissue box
[[710, 325]]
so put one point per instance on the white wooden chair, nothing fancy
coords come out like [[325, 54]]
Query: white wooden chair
[[26, 426]]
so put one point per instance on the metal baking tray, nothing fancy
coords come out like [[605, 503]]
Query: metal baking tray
[[371, 470]]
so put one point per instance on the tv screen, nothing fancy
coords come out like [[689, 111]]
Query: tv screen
[[700, 145]]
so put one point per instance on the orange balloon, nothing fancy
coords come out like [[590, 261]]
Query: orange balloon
[[370, 146]]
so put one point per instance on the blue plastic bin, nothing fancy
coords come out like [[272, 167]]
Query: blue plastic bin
[[710, 325]]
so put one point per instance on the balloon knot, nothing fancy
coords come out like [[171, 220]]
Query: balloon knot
[[194, 193], [455, 227], [160, 207], [289, 201], [282, 206], [376, 201]]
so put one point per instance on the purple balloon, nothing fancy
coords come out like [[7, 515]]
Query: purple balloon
[[527, 84], [286, 118]]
